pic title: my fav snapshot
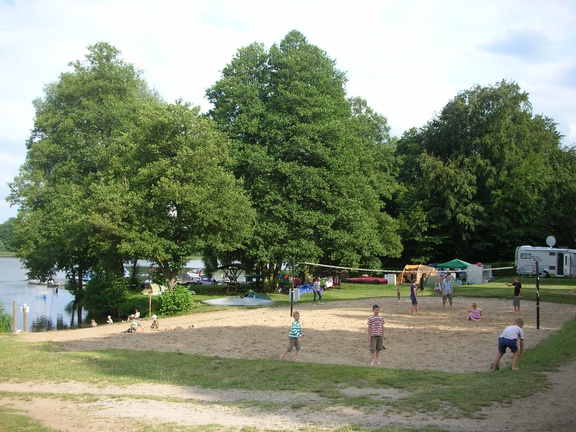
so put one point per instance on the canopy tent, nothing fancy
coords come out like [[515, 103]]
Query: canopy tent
[[415, 271], [454, 264]]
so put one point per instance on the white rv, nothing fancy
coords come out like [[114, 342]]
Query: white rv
[[551, 261]]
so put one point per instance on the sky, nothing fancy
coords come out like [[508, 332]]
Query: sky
[[406, 58]]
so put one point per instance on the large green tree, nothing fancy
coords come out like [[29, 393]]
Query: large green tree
[[7, 236], [74, 152], [182, 196], [315, 164], [113, 173], [477, 176]]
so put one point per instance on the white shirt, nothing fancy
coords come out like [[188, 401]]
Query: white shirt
[[513, 332]]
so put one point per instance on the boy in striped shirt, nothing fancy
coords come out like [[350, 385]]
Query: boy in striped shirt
[[294, 336], [509, 339], [376, 335]]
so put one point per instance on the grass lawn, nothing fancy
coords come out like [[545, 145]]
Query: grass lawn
[[427, 391]]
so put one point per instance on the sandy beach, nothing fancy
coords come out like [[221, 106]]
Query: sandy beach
[[335, 333]]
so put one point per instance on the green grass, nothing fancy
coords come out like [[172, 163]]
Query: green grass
[[428, 389], [13, 420], [424, 391]]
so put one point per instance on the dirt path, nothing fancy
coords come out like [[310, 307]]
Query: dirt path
[[261, 333]]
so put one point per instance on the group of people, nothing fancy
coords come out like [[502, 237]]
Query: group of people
[[511, 338], [375, 336], [133, 321], [446, 286]]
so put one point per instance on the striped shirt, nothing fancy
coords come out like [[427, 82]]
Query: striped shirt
[[513, 332], [376, 324], [296, 330]]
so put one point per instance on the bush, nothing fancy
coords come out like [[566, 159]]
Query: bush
[[106, 295], [5, 321], [177, 301]]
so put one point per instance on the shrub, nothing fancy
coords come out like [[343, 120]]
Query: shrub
[[5, 321], [177, 301], [106, 295]]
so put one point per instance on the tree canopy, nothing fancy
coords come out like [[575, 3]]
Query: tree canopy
[[113, 173], [477, 176], [315, 164], [284, 166]]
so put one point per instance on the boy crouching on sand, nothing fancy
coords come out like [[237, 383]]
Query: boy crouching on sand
[[294, 336], [509, 339]]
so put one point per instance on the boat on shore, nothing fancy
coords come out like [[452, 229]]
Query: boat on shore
[[50, 283], [367, 280], [37, 282]]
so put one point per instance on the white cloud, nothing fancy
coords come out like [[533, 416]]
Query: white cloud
[[407, 58]]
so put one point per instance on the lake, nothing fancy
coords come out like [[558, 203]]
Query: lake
[[49, 308]]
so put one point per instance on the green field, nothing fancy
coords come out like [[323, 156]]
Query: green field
[[428, 391]]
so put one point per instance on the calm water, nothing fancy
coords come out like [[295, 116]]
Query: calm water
[[49, 308]]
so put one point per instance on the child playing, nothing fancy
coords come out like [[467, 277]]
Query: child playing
[[109, 320], [414, 299], [376, 335], [438, 285], [317, 289], [154, 325], [509, 339], [398, 290], [474, 312], [294, 336]]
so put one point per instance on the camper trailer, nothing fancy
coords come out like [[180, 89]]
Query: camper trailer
[[551, 261]]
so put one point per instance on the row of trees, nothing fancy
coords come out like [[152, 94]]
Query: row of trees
[[285, 165]]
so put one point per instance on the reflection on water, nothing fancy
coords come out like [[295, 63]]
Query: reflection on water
[[49, 308]]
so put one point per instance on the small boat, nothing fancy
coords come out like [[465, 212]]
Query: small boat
[[367, 280], [51, 283], [238, 301], [37, 282]]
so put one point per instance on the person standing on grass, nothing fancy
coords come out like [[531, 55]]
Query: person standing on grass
[[375, 335], [509, 339], [294, 337], [398, 289], [414, 299], [447, 291], [517, 292]]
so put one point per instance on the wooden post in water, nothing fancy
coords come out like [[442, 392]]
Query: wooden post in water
[[24, 311], [14, 316]]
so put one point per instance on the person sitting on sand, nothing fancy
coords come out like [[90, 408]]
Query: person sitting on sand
[[93, 323], [109, 320], [474, 312], [154, 325]]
